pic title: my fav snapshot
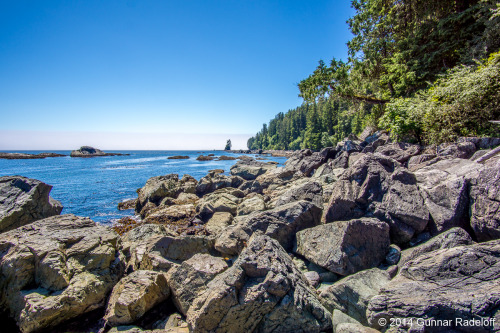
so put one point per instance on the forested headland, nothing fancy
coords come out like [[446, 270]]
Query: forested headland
[[425, 71]]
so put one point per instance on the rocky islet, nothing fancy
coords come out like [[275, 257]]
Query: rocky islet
[[344, 239]]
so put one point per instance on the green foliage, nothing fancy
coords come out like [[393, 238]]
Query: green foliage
[[459, 103], [411, 69]]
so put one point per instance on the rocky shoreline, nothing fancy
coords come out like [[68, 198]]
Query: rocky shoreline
[[353, 238]]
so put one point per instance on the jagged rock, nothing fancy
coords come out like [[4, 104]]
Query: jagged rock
[[250, 169], [253, 204], [393, 256], [341, 161], [276, 177], [213, 182], [56, 269], [217, 202], [446, 284], [162, 253], [158, 188], [354, 328], [457, 150], [305, 162], [400, 152], [263, 291], [444, 187], [251, 186], [378, 186], [338, 317], [446, 240], [352, 294], [127, 204], [219, 222], [191, 278], [313, 278], [420, 161], [310, 191], [24, 200], [485, 204], [186, 198], [280, 223], [375, 141], [349, 146], [170, 213], [345, 247], [134, 295]]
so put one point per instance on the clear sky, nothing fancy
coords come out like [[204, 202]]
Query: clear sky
[[159, 74]]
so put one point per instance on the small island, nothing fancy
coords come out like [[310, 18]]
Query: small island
[[87, 151], [24, 156]]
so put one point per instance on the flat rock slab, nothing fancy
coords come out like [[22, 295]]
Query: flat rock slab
[[24, 200], [345, 247], [56, 269], [461, 282]]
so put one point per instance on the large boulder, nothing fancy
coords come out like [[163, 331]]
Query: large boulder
[[170, 213], [163, 253], [190, 279], [276, 177], [219, 222], [250, 169], [444, 186], [457, 150], [263, 291], [310, 191], [252, 204], [400, 152], [215, 181], [217, 202], [56, 269], [134, 295], [485, 204], [345, 247], [160, 187], [446, 240], [280, 223], [379, 186], [24, 200], [305, 162], [352, 294], [444, 285]]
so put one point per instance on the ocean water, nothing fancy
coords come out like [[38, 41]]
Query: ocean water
[[93, 187]]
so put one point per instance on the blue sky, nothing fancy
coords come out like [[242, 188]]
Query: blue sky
[[182, 70]]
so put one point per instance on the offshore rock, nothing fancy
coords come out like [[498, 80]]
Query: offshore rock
[[262, 292], [56, 269], [24, 200], [86, 151]]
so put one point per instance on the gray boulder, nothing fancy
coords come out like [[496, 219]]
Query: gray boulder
[[217, 202], [485, 204], [280, 223], [378, 186], [263, 291], [250, 169], [400, 152], [158, 188], [310, 191], [352, 294], [305, 162], [444, 186], [190, 279], [163, 253], [134, 295], [252, 204], [345, 247], [446, 284], [24, 200], [215, 181], [56, 269], [219, 222], [446, 240], [457, 150]]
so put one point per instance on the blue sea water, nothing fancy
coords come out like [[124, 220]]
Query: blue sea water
[[93, 187]]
